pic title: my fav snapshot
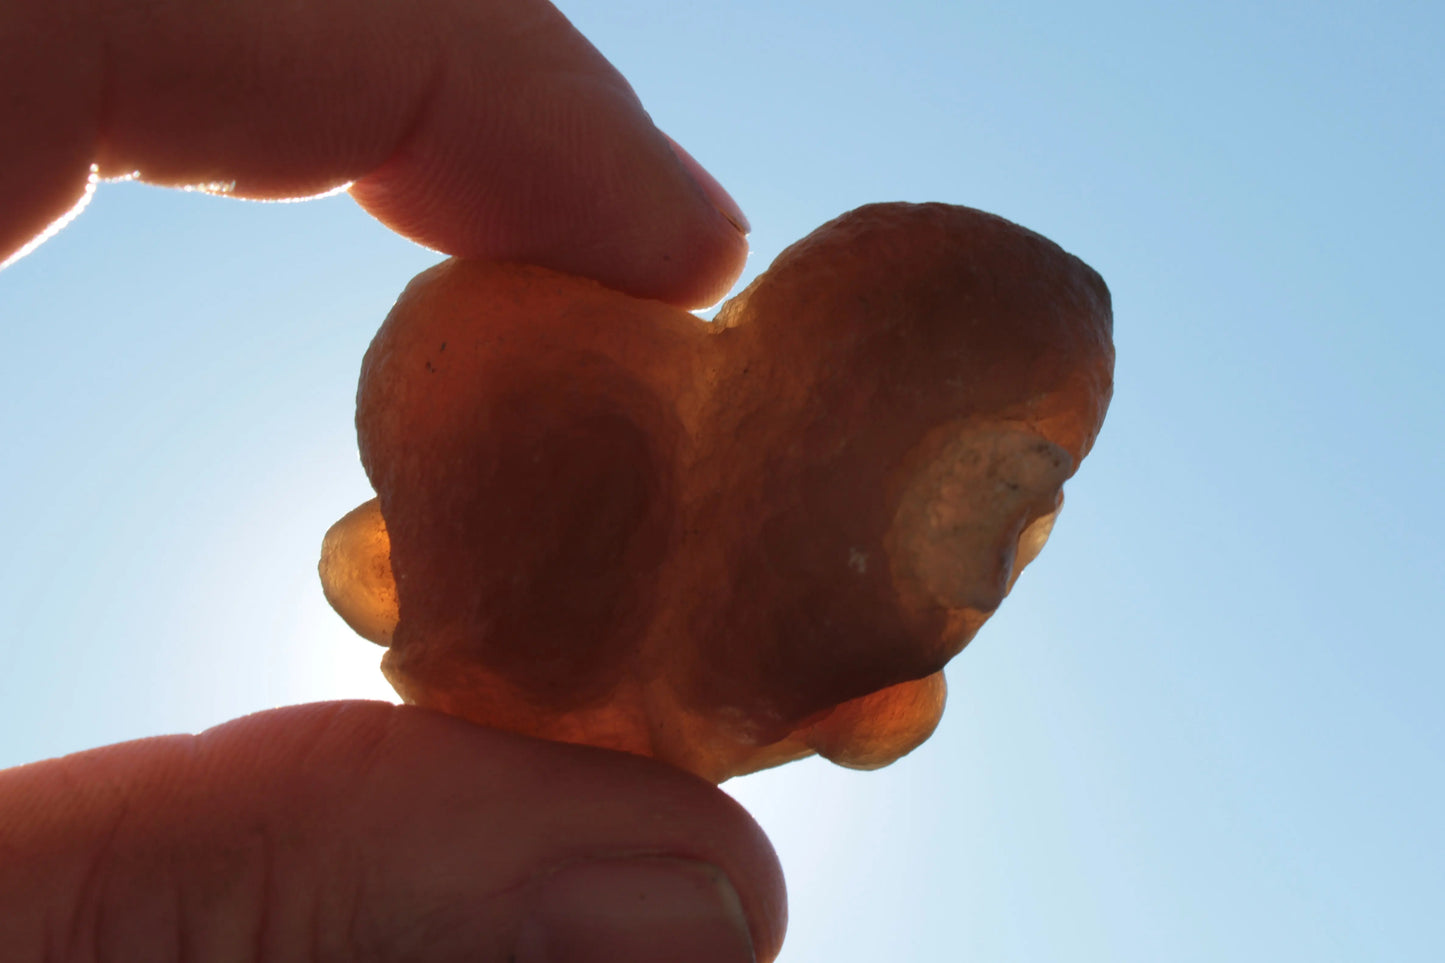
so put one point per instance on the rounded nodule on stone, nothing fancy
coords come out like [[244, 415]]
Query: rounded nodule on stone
[[356, 576], [876, 729]]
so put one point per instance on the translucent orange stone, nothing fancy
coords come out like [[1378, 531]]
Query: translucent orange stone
[[728, 544]]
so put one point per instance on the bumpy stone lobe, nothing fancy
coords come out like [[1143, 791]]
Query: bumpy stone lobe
[[728, 544], [356, 574]]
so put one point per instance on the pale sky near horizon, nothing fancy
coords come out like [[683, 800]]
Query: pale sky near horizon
[[1208, 724]]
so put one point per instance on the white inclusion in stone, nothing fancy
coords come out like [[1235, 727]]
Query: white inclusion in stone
[[958, 526]]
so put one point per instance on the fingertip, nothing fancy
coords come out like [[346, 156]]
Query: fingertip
[[542, 153], [575, 804], [602, 197], [447, 812], [720, 198]]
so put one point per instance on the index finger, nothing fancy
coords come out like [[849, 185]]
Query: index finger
[[483, 128]]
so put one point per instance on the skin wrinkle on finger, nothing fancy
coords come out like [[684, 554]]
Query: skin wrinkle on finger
[[214, 87], [427, 108], [362, 830], [84, 922], [577, 128]]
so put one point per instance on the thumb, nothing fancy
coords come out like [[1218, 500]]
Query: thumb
[[368, 831]]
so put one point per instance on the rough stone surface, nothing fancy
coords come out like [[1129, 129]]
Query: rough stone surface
[[726, 544]]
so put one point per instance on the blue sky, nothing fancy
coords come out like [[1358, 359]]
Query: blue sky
[[1208, 723]]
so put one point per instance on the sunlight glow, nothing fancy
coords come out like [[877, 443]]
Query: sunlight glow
[[94, 178], [57, 225], [332, 661], [228, 189], [332, 192], [210, 187]]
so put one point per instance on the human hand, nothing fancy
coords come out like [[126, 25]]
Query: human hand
[[366, 831], [482, 128], [362, 830]]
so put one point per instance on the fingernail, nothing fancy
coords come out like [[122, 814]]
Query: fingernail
[[637, 910], [720, 198]]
